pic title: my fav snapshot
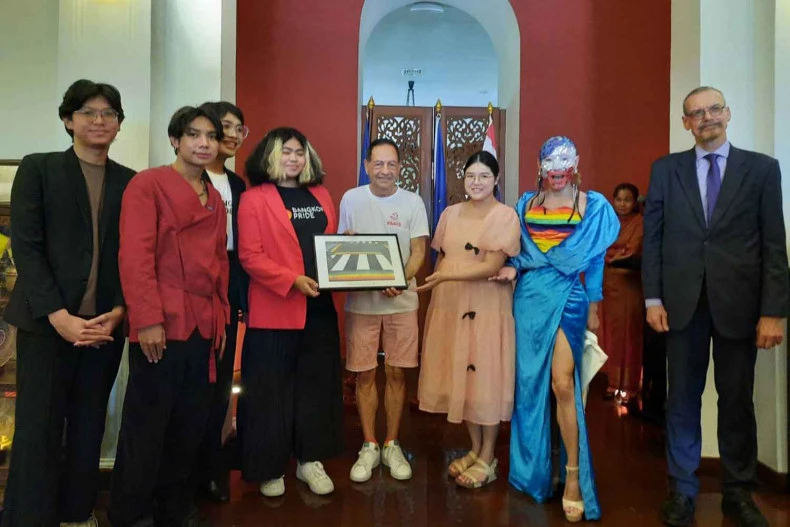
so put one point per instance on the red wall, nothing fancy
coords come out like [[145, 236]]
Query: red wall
[[595, 71], [296, 65]]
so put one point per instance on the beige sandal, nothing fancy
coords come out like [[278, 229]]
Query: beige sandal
[[459, 465], [479, 468], [574, 510]]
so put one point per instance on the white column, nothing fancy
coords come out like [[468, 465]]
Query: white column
[[193, 60], [111, 42], [28, 61]]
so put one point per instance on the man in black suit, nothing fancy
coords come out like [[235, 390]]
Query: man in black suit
[[68, 307], [213, 462], [714, 267]]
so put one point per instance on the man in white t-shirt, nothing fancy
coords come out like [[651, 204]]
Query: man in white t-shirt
[[382, 207]]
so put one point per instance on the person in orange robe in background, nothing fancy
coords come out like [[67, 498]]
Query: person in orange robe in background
[[622, 310]]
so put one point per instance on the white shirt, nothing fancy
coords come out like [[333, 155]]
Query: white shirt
[[403, 214], [221, 183]]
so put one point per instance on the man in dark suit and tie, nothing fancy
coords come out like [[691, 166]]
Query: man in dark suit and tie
[[714, 267], [68, 307]]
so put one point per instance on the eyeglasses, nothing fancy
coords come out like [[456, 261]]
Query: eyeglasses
[[484, 177], [241, 130], [714, 111], [108, 114]]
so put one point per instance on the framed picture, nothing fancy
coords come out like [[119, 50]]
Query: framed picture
[[356, 262], [7, 172]]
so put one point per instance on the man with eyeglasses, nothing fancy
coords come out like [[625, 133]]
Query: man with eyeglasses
[[213, 461], [68, 307], [389, 315], [714, 267], [173, 264]]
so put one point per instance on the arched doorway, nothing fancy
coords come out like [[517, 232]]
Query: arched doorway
[[499, 22]]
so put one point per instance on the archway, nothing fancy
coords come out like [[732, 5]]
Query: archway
[[499, 21]]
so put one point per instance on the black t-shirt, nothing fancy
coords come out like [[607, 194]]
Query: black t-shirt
[[308, 218]]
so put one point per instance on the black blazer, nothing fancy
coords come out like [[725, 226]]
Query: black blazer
[[239, 281], [741, 256], [52, 239]]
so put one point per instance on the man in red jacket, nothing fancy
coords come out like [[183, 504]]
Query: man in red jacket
[[174, 273]]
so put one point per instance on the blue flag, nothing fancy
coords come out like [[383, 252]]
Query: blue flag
[[439, 176], [363, 178]]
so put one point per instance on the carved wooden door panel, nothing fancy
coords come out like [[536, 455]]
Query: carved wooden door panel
[[464, 130]]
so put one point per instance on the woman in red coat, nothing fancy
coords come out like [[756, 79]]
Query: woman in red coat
[[291, 400]]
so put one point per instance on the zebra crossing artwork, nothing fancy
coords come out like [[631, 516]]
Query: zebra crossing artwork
[[359, 261]]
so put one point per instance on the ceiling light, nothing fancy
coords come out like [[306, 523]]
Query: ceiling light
[[433, 7]]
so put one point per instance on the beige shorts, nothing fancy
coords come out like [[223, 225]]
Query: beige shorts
[[399, 337]]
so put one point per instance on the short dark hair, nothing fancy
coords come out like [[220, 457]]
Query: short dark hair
[[222, 108], [263, 165], [700, 89], [184, 117], [81, 91], [382, 141]]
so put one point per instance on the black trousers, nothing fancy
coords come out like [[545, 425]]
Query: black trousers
[[654, 374], [212, 461], [61, 407], [291, 400], [164, 417], [688, 353]]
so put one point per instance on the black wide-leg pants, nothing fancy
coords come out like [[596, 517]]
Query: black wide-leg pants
[[291, 400]]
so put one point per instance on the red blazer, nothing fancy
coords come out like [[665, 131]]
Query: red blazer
[[269, 251], [173, 258]]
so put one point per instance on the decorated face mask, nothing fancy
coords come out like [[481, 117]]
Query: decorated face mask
[[558, 162]]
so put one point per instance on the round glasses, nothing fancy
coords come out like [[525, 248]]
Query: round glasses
[[108, 114], [241, 130], [714, 111]]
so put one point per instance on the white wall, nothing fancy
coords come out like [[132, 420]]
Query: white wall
[[186, 64], [29, 96], [453, 50], [96, 37]]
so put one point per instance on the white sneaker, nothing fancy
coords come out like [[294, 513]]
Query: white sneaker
[[273, 487], [392, 457], [314, 475], [369, 458]]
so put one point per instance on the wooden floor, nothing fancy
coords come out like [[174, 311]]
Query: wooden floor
[[628, 455]]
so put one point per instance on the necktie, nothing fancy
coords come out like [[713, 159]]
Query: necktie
[[714, 184]]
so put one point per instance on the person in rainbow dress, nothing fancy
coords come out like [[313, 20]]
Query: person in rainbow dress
[[564, 234]]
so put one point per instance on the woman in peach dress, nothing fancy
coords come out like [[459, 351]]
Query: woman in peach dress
[[468, 358]]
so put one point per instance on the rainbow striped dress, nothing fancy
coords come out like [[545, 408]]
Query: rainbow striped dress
[[548, 228]]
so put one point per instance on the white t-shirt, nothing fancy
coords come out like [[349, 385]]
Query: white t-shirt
[[402, 213], [221, 183]]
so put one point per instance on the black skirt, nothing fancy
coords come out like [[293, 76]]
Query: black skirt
[[291, 400]]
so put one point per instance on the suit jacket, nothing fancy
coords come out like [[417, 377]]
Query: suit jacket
[[740, 257], [52, 239], [173, 257], [239, 281], [271, 255]]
